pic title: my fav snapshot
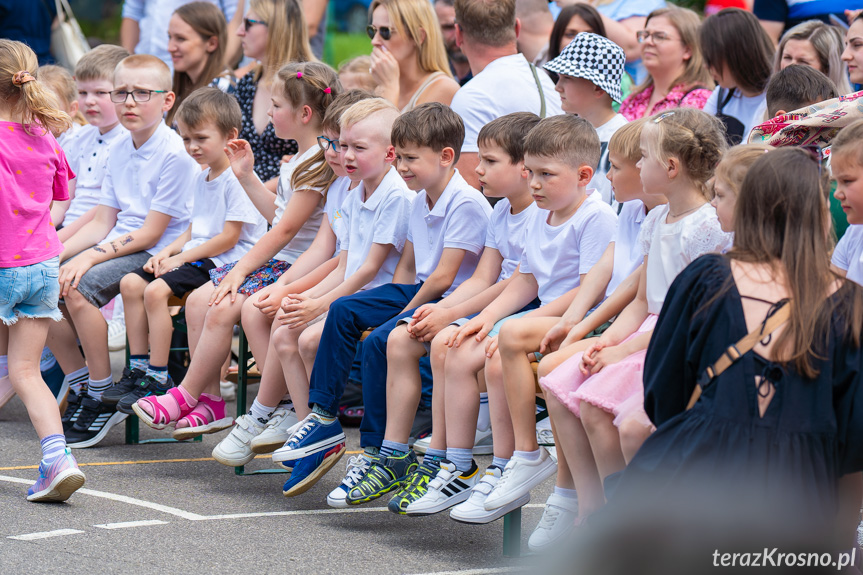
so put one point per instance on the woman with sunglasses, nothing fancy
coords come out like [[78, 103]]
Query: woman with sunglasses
[[677, 76], [409, 61]]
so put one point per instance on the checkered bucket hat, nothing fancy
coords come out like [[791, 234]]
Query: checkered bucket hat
[[595, 58]]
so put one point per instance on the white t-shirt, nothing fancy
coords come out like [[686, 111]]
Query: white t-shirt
[[627, 251], [558, 256], [306, 234], [505, 85], [507, 234], [217, 202], [68, 140], [89, 161], [381, 219], [672, 247], [848, 254], [751, 111], [459, 219], [159, 176], [599, 182], [333, 208]]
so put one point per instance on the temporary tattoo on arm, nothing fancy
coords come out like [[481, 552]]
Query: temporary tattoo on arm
[[100, 250], [113, 245], [126, 240]]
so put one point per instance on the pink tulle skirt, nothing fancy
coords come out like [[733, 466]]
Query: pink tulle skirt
[[618, 388]]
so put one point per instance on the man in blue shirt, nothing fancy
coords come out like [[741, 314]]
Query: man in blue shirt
[[779, 15], [30, 23]]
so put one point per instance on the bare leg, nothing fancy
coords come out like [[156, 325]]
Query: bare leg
[[273, 386], [404, 385], [257, 327], [26, 340], [438, 365], [93, 333], [632, 434], [604, 439], [132, 288], [196, 311], [159, 319], [461, 397], [501, 421], [309, 341], [63, 344], [285, 346], [564, 476]]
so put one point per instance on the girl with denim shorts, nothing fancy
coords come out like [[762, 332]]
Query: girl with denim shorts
[[33, 174]]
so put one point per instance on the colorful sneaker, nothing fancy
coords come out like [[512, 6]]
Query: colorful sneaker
[[93, 423], [448, 488], [73, 408], [556, 523], [126, 384], [6, 390], [384, 475], [234, 450], [519, 477], [312, 436], [308, 470], [472, 510], [144, 387], [282, 424], [415, 487], [57, 480], [356, 469], [208, 416]]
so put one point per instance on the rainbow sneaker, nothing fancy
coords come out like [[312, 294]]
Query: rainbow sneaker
[[58, 480]]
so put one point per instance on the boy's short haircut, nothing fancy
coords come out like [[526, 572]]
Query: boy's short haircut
[[160, 70], [60, 82], [626, 141], [364, 109], [848, 143], [488, 22], [100, 63], [211, 105], [509, 132], [342, 102], [431, 125], [568, 138], [797, 86]]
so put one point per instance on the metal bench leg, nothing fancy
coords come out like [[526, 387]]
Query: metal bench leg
[[512, 533]]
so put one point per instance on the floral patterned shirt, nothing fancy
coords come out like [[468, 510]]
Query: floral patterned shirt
[[635, 106]]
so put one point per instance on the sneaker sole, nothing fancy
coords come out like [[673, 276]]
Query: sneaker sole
[[337, 503], [483, 449], [232, 462], [114, 420], [143, 416], [440, 506], [184, 433], [491, 515], [64, 485], [514, 493], [313, 477], [293, 454], [269, 445]]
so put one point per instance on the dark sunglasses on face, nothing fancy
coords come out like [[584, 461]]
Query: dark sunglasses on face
[[248, 23], [385, 31]]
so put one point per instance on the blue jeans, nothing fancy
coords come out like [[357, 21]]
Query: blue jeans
[[30, 291]]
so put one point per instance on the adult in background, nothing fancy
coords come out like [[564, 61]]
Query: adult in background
[[30, 23], [536, 24], [409, 61], [777, 16], [458, 63], [503, 80], [677, 76], [814, 43]]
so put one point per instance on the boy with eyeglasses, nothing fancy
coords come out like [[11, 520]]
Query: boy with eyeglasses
[[145, 204]]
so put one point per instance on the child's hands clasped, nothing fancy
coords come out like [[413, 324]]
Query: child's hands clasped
[[600, 355], [269, 300], [300, 309], [428, 320]]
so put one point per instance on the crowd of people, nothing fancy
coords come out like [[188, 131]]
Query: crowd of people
[[635, 218]]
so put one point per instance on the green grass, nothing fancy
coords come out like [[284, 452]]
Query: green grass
[[341, 47]]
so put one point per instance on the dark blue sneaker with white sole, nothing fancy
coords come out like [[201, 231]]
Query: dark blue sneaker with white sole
[[317, 433], [308, 470]]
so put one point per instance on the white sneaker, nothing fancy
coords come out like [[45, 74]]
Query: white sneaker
[[519, 477], [356, 469], [448, 488], [235, 449], [557, 522], [281, 426], [117, 334], [545, 438], [228, 390], [482, 444], [473, 509]]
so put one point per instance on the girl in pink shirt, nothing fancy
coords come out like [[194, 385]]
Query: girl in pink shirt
[[33, 173]]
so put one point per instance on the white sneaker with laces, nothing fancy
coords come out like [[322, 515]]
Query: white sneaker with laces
[[228, 390], [281, 426], [447, 488], [556, 523], [356, 469], [545, 438], [472, 510], [117, 333], [235, 449], [519, 477]]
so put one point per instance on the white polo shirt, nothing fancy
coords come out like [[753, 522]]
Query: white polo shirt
[[89, 161], [848, 254], [504, 86], [306, 234], [333, 208], [458, 220], [627, 250], [381, 219], [557, 256], [220, 201], [159, 176], [506, 234]]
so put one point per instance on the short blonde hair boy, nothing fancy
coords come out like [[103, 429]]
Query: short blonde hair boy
[[364, 109], [100, 63], [147, 62]]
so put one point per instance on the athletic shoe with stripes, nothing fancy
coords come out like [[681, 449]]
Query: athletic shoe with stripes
[[57, 480], [73, 409], [126, 384], [415, 486], [384, 475], [448, 488], [94, 422]]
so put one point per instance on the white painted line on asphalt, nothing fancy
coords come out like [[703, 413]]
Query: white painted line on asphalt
[[478, 571], [45, 534], [298, 512], [128, 524]]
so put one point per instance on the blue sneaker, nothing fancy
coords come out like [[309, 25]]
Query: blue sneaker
[[58, 480], [312, 436], [309, 470]]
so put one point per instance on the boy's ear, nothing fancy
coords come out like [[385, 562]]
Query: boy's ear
[[523, 170], [780, 113], [459, 35], [233, 134], [390, 156], [73, 108], [170, 98], [447, 157], [585, 174]]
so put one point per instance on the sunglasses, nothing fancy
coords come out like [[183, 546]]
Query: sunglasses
[[248, 23], [385, 31]]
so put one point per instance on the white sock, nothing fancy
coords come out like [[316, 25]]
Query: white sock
[[4, 365], [47, 361], [260, 411], [527, 455], [77, 379], [483, 422], [564, 492], [96, 387]]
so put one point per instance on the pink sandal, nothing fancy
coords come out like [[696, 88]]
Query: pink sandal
[[159, 416], [207, 417]]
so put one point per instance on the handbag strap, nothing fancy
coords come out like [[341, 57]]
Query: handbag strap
[[541, 92], [779, 316], [722, 102]]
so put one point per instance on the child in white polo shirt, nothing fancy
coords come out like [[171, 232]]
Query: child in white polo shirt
[[146, 203], [846, 165]]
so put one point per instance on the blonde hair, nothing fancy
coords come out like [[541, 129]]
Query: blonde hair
[[147, 62], [364, 109], [828, 43], [287, 34], [695, 72], [360, 66], [63, 86], [736, 163], [849, 140], [342, 102], [99, 63], [567, 138], [416, 19], [30, 101], [626, 141]]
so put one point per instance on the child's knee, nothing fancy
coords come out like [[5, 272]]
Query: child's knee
[[285, 340], [592, 416], [156, 292], [493, 369], [439, 349], [308, 344], [400, 344], [132, 285]]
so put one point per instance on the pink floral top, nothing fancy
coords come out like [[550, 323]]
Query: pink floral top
[[635, 106]]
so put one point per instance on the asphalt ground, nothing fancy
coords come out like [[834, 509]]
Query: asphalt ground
[[164, 506]]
